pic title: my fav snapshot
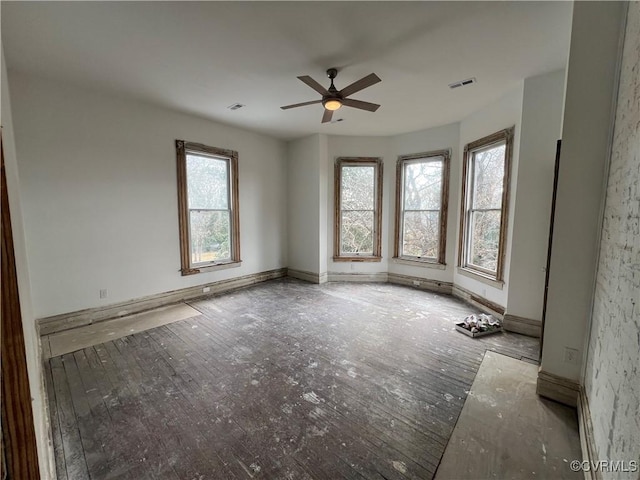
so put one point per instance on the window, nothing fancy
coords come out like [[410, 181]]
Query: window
[[485, 197], [422, 186], [208, 207], [358, 216]]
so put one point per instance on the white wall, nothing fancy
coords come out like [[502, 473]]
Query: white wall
[[612, 378], [343, 146], [528, 228], [32, 340], [503, 113], [591, 80], [325, 213], [439, 138], [303, 199], [98, 182], [118, 156], [541, 119]]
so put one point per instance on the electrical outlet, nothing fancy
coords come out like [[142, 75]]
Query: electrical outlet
[[103, 293], [206, 289], [571, 355]]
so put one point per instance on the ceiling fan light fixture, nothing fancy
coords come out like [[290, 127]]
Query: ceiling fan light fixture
[[332, 104]]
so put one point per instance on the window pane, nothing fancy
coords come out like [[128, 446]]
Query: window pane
[[422, 185], [485, 236], [421, 231], [207, 183], [358, 188], [357, 233], [488, 175], [210, 236]]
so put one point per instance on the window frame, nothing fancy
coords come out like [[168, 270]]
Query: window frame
[[182, 149], [377, 164], [464, 242], [404, 160]]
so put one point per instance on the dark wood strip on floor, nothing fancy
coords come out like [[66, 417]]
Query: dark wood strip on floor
[[283, 380]]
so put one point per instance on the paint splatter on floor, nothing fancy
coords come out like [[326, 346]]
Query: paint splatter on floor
[[311, 397], [254, 376], [400, 466]]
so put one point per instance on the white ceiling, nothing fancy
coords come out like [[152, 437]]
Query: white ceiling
[[200, 57]]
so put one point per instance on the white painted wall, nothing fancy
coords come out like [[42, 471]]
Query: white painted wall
[[612, 377], [591, 81], [118, 155], [541, 118], [543, 106], [440, 138], [32, 340], [303, 200], [98, 182], [344, 146], [503, 113], [325, 180]]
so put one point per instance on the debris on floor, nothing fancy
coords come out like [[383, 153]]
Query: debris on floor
[[479, 325]]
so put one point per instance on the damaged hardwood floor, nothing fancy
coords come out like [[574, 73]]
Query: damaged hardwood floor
[[283, 380]]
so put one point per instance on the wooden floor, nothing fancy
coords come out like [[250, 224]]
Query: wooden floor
[[281, 380]]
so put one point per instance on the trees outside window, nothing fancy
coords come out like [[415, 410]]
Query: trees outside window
[[208, 206], [422, 185], [485, 197], [358, 216]]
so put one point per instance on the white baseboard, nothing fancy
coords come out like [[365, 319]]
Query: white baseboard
[[89, 316]]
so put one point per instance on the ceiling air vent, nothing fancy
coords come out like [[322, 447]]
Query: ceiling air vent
[[235, 106], [462, 83]]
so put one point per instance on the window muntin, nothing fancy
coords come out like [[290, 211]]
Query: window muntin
[[358, 214], [421, 204], [208, 202], [485, 197]]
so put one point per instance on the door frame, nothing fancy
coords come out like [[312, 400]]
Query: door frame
[[18, 441]]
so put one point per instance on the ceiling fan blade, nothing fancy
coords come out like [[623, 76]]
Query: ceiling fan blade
[[315, 85], [328, 114], [303, 104], [361, 84], [371, 107]]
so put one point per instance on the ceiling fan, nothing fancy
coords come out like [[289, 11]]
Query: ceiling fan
[[332, 99]]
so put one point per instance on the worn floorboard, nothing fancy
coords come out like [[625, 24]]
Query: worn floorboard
[[283, 380]]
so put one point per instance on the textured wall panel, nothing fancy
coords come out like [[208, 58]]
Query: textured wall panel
[[612, 377]]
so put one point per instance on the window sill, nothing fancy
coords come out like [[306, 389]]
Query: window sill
[[499, 284], [211, 268], [414, 262], [357, 259]]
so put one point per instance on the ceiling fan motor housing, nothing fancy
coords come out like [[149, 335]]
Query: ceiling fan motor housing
[[332, 73]]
